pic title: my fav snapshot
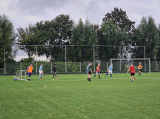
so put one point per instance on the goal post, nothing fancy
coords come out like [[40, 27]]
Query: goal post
[[20, 75], [121, 65]]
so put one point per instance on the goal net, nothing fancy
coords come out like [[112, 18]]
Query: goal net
[[20, 75], [122, 65]]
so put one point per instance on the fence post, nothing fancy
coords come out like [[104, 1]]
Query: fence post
[[51, 67], [145, 57], [65, 61], [36, 58], [120, 65], [149, 66], [80, 66], [107, 65], [20, 65], [4, 67], [4, 63], [120, 51], [156, 66], [144, 52]]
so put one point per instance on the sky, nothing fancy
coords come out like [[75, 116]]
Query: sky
[[25, 12]]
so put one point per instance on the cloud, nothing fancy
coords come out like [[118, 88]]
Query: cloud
[[35, 7], [141, 8], [30, 10], [24, 12]]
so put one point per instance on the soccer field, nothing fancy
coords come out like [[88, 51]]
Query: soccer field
[[73, 97]]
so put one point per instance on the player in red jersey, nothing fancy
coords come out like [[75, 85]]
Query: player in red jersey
[[132, 72], [97, 71]]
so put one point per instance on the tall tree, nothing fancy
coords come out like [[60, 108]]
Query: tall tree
[[120, 18], [27, 37], [84, 35], [45, 32], [54, 32], [62, 26], [74, 52], [38, 34], [90, 39], [7, 38], [158, 48], [146, 35], [110, 35]]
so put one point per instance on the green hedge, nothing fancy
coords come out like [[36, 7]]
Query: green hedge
[[73, 67]]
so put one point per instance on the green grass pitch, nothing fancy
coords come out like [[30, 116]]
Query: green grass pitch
[[73, 97]]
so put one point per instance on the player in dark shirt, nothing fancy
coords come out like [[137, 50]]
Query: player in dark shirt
[[89, 70], [54, 72]]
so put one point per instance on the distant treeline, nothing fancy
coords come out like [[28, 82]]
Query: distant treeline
[[116, 30]]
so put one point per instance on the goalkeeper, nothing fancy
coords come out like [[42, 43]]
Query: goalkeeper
[[29, 70]]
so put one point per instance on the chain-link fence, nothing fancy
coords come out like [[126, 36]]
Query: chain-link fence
[[122, 65], [79, 67], [1, 70], [74, 58]]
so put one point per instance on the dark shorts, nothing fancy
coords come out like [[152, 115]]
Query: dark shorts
[[89, 73], [29, 74], [140, 69], [132, 74], [97, 72]]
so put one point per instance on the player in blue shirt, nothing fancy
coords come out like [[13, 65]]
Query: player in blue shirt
[[40, 72], [110, 68]]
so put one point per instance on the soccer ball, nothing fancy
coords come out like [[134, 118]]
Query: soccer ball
[[57, 79]]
